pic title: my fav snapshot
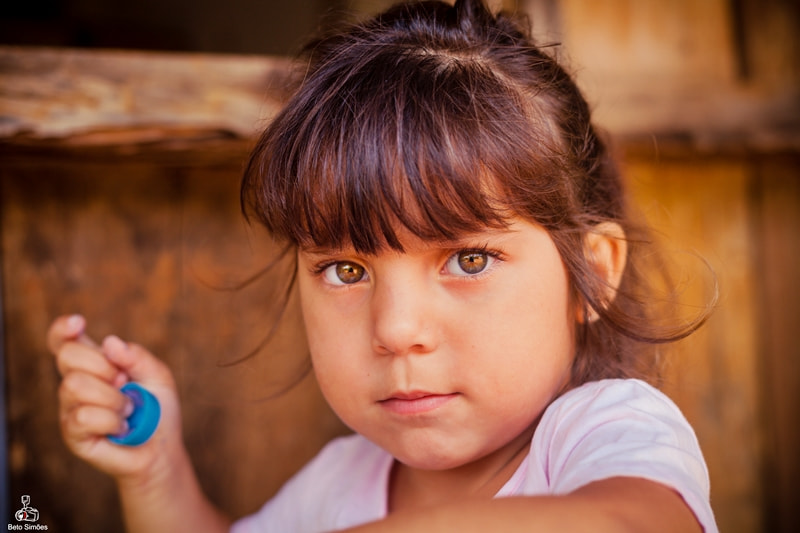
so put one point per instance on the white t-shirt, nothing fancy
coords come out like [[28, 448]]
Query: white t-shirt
[[600, 430]]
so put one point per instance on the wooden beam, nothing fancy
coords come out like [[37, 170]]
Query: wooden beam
[[87, 98], [121, 97]]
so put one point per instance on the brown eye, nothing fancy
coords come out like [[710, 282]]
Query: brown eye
[[472, 262], [349, 272], [344, 273]]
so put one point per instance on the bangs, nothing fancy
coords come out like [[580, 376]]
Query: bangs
[[428, 142]]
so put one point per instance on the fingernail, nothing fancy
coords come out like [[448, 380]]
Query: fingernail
[[125, 429], [120, 379], [75, 322], [129, 407], [114, 343]]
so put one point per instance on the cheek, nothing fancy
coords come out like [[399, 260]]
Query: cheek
[[333, 342], [318, 330], [544, 324], [341, 378], [319, 317]]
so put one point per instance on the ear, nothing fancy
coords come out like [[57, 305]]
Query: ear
[[607, 250]]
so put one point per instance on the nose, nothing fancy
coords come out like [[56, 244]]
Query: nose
[[402, 317]]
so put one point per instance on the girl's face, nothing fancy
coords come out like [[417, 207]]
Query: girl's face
[[447, 352]]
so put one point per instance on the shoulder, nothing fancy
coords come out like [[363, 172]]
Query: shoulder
[[620, 427], [618, 421], [605, 398], [343, 485]]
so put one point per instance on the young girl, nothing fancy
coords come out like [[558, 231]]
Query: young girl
[[470, 283]]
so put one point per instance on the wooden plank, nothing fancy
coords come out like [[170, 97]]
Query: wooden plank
[[140, 250], [47, 93], [115, 97], [668, 70], [701, 210], [778, 261]]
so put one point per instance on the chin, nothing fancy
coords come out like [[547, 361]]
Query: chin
[[430, 457]]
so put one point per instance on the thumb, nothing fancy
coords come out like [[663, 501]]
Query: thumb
[[137, 362]]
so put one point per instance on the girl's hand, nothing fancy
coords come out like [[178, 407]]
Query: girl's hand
[[91, 407]]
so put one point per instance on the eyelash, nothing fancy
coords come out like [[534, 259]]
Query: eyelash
[[321, 267]]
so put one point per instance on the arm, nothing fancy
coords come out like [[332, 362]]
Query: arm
[[615, 505], [158, 487], [168, 501]]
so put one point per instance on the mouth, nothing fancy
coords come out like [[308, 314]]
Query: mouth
[[415, 402]]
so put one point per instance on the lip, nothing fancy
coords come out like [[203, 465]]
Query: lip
[[415, 402]]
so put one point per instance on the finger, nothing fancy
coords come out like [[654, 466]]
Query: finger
[[63, 329], [88, 422], [78, 357], [138, 363], [80, 388]]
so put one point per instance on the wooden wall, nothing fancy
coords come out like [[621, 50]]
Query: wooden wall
[[118, 199], [704, 99], [146, 250], [736, 379]]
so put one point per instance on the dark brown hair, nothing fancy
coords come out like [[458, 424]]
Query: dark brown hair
[[446, 120]]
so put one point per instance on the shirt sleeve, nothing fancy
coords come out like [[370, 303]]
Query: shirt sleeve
[[615, 428], [285, 511], [335, 490]]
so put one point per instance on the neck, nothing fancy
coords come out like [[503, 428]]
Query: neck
[[413, 488]]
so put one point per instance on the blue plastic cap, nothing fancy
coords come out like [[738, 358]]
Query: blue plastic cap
[[143, 421]]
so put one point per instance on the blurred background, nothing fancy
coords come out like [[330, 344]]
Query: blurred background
[[123, 129]]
